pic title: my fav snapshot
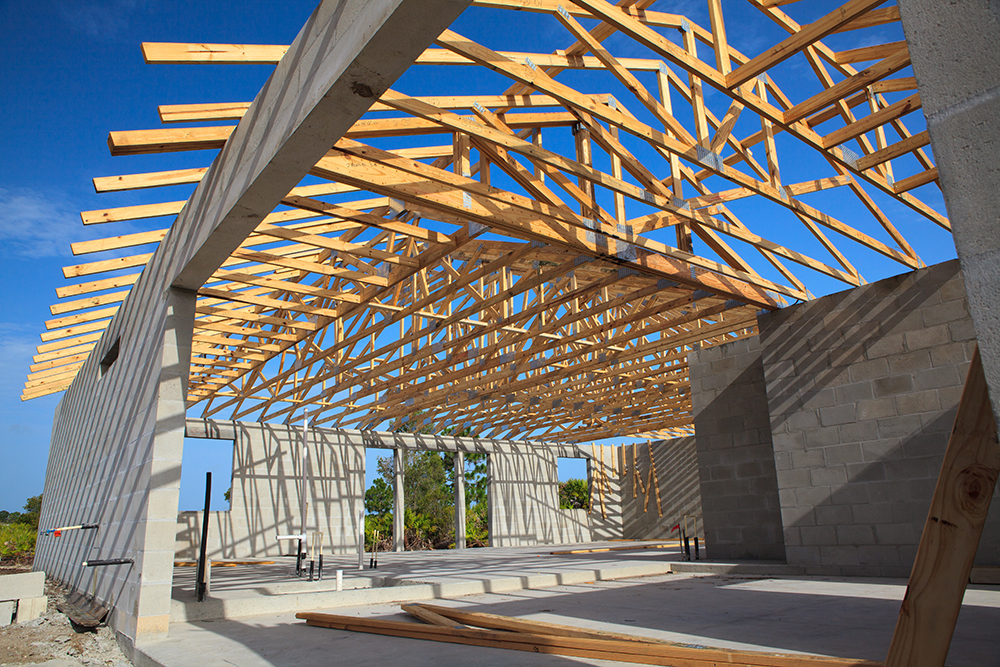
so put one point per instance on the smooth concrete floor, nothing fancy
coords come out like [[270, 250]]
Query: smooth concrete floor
[[422, 566], [819, 615]]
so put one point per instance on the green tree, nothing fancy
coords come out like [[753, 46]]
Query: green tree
[[32, 512], [378, 498], [574, 494]]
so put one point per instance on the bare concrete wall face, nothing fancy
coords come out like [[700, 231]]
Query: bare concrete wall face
[[680, 489], [115, 460], [953, 47], [739, 487], [862, 388], [266, 493], [524, 499], [265, 501]]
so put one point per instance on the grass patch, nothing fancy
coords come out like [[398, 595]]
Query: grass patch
[[17, 541]]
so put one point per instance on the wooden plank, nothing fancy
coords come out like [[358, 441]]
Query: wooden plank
[[624, 651], [850, 85], [800, 40], [872, 121], [895, 150], [951, 533], [866, 53], [923, 178]]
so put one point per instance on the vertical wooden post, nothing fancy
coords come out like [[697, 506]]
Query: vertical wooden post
[[951, 535]]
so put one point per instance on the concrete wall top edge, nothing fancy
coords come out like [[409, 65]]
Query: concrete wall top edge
[[228, 430]]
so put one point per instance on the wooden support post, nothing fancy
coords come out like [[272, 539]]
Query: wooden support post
[[583, 156], [952, 531]]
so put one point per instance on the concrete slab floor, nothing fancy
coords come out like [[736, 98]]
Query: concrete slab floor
[[418, 566], [826, 616]]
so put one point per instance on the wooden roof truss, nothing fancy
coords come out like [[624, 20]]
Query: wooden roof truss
[[492, 283]]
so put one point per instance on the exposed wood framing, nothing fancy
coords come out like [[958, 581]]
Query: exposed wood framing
[[481, 278]]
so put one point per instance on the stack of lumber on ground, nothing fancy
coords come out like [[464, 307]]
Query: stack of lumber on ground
[[455, 626]]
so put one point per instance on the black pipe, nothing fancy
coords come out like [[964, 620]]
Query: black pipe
[[203, 556], [687, 548], [697, 556], [108, 561]]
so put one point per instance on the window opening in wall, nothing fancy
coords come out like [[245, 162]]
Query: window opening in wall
[[203, 455], [428, 500], [574, 490], [110, 357]]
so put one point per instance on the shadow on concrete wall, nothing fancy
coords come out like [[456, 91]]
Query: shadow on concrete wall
[[676, 462]]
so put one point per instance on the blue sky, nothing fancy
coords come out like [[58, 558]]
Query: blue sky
[[74, 71]]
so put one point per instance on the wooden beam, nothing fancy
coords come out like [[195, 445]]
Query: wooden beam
[[951, 533], [800, 40]]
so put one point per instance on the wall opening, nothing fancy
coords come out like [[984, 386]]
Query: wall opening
[[203, 455], [110, 357], [574, 486]]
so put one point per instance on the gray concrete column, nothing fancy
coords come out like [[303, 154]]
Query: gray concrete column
[[491, 498], [155, 558], [459, 500], [398, 504], [953, 47]]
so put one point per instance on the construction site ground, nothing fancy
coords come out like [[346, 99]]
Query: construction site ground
[[739, 606]]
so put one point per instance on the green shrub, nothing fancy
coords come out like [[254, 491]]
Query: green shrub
[[16, 540]]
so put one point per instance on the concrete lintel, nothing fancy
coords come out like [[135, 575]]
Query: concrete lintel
[[347, 54]]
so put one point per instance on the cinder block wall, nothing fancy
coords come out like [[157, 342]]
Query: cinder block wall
[[523, 489], [524, 498], [266, 491], [862, 389], [680, 490], [739, 486], [115, 459]]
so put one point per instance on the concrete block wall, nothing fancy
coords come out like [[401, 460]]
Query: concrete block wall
[[266, 492], [523, 489], [114, 460], [680, 488], [739, 486], [604, 480], [523, 498], [862, 388]]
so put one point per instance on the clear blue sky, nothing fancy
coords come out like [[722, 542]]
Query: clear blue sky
[[74, 71]]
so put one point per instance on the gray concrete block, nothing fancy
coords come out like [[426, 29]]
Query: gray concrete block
[[807, 458], [876, 408], [794, 479], [26, 585], [865, 472], [834, 515], [910, 362], [885, 346], [951, 311], [852, 393], [823, 437], [855, 535], [838, 414], [28, 609], [818, 535], [895, 533], [840, 454], [872, 513], [828, 476], [892, 385], [927, 338], [899, 427], [860, 431], [6, 613], [869, 370], [919, 401], [839, 555], [936, 378], [804, 555]]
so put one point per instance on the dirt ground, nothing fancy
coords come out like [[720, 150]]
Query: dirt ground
[[50, 640]]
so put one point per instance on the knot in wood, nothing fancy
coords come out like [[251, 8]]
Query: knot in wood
[[975, 490]]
